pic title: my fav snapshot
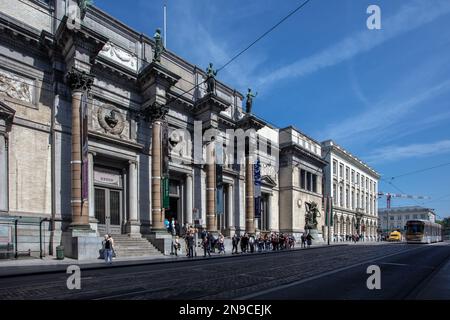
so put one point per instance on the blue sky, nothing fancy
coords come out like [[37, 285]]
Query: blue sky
[[382, 94]]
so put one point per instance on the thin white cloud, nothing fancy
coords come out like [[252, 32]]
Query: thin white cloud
[[199, 41], [396, 153], [407, 128], [412, 15], [374, 122]]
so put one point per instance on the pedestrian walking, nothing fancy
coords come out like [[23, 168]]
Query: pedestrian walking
[[303, 240], [221, 244], [235, 241], [108, 244], [191, 242], [206, 246], [176, 245], [309, 239]]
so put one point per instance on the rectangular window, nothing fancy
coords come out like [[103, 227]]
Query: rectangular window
[[407, 217], [302, 179], [308, 181], [334, 194], [357, 178], [269, 147], [353, 200], [341, 171], [334, 167], [341, 197], [414, 216], [347, 174], [391, 218], [314, 186], [347, 196], [353, 176]]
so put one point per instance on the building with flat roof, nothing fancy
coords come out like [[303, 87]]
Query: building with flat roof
[[354, 187], [395, 218]]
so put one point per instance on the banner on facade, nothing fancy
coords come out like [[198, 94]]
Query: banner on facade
[[165, 193], [257, 187], [219, 180], [84, 147], [165, 149], [328, 208]]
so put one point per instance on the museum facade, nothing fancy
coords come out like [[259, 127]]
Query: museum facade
[[101, 134]]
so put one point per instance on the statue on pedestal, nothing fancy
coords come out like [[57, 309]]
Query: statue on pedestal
[[83, 5], [159, 46], [312, 213], [210, 79], [249, 103]]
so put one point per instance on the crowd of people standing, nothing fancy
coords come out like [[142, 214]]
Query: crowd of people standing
[[246, 243]]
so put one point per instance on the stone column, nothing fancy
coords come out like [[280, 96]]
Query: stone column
[[157, 212], [3, 171], [269, 212], [80, 82], [133, 226], [211, 224], [189, 197], [80, 216], [230, 206], [249, 197]]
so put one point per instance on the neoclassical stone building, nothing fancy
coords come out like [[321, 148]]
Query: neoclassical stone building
[[96, 136], [354, 188], [301, 174], [91, 128]]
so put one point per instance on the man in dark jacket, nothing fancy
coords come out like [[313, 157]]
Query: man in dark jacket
[[190, 242]]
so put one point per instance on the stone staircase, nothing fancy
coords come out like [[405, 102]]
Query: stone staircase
[[126, 246]]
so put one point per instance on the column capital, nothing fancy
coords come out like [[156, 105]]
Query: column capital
[[79, 80], [131, 162], [156, 112]]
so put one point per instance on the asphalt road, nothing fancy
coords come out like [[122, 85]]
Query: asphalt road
[[404, 276], [337, 272]]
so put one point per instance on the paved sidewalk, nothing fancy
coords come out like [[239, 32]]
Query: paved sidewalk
[[50, 264]]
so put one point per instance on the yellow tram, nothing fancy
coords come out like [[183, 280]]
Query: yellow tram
[[423, 231]]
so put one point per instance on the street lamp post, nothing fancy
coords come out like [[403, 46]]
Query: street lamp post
[[359, 214]]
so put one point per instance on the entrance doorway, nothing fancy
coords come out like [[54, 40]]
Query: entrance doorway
[[108, 200], [174, 211]]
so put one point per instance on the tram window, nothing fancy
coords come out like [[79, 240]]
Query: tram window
[[415, 228]]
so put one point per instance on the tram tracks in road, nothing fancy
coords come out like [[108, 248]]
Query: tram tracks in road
[[200, 289], [165, 283], [422, 283]]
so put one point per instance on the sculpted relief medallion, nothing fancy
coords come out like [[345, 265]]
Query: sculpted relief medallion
[[111, 119], [119, 55]]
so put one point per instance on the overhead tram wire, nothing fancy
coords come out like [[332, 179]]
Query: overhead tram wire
[[420, 170], [221, 68], [264, 34], [401, 191]]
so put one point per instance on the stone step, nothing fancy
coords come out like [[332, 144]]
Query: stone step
[[136, 253], [126, 246]]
